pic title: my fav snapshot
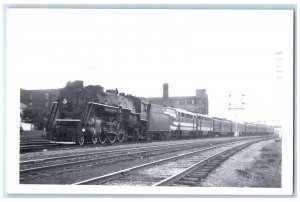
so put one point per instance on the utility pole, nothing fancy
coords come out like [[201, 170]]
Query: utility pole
[[234, 106]]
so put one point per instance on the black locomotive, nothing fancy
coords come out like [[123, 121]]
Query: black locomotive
[[88, 114]]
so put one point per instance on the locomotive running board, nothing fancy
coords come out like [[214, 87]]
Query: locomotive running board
[[62, 142], [104, 105], [68, 120]]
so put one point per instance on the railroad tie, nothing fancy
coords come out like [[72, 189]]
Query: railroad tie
[[199, 175], [207, 168], [223, 157], [215, 161], [190, 178], [179, 185], [211, 164], [186, 182]]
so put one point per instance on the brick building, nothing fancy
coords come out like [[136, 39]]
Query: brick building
[[39, 98], [197, 104]]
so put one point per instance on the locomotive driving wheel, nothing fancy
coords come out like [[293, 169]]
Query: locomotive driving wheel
[[102, 137], [121, 132], [121, 137], [112, 137], [81, 139], [94, 140]]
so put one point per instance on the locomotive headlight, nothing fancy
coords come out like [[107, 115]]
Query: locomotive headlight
[[65, 101], [83, 130]]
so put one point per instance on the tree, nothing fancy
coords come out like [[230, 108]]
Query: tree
[[35, 115]]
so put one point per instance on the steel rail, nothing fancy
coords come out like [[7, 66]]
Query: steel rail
[[170, 180], [104, 178], [34, 147], [116, 156], [93, 153], [110, 151], [45, 160]]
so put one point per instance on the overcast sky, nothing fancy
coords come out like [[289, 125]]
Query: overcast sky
[[223, 51]]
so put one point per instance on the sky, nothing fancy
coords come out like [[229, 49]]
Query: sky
[[226, 52]]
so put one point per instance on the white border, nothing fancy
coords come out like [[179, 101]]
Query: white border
[[9, 182]]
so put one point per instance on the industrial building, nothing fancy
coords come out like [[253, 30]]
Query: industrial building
[[197, 104], [41, 99]]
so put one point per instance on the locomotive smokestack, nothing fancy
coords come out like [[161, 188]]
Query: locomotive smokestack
[[165, 94]]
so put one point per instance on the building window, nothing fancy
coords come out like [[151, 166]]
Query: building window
[[199, 102], [193, 101], [182, 102]]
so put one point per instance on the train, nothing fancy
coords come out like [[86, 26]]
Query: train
[[89, 115]]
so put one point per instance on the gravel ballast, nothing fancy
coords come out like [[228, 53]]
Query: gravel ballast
[[259, 165]]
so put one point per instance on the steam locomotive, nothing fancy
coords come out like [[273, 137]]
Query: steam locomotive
[[88, 114]]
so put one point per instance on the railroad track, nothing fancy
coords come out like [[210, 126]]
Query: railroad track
[[195, 174], [36, 145], [39, 145], [164, 171], [105, 157], [30, 142]]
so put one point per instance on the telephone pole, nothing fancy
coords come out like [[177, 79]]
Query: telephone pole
[[235, 106]]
